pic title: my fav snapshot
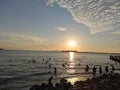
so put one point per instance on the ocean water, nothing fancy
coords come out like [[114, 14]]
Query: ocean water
[[19, 70]]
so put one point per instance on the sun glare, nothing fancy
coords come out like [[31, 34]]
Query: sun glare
[[71, 44]]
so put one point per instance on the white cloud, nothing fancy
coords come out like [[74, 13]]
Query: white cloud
[[13, 37], [116, 32], [22, 42], [99, 15], [62, 29], [49, 2]]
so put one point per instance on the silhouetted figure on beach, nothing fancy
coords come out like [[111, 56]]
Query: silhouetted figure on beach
[[63, 65], [43, 86], [50, 85], [87, 68], [55, 70], [49, 58], [46, 62], [103, 82], [50, 80], [94, 70], [33, 61], [63, 83], [113, 68], [49, 65], [100, 70], [106, 69], [57, 86]]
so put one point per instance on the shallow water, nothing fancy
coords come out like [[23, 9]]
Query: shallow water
[[21, 69]]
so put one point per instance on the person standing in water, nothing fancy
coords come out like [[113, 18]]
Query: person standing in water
[[106, 69], [94, 70], [55, 70], [100, 70], [113, 68], [87, 68]]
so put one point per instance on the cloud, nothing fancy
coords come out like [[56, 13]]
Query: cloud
[[21, 38], [31, 39], [62, 29], [116, 32], [19, 41], [98, 15]]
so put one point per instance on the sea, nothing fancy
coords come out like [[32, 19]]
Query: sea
[[19, 70]]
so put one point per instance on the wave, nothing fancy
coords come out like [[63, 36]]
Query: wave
[[23, 77]]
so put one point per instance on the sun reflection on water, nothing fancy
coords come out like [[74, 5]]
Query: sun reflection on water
[[75, 79], [71, 69], [71, 56], [71, 63]]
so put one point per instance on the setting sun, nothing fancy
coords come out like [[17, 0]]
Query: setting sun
[[71, 44]]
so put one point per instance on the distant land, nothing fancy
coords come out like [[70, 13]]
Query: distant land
[[65, 51], [1, 49], [69, 51], [87, 52]]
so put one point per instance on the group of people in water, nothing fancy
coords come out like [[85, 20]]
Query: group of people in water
[[115, 57], [90, 84], [64, 85], [88, 68], [94, 69]]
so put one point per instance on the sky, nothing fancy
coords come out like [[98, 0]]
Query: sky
[[48, 25]]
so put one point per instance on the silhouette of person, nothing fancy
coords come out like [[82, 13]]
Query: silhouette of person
[[35, 87], [100, 69], [55, 70], [50, 85], [46, 62], [63, 65], [87, 68], [113, 68], [50, 80], [49, 58], [94, 70], [106, 69], [49, 65]]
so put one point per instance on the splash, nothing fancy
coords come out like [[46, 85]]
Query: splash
[[98, 15]]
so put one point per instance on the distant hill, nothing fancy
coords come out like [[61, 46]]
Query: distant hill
[[69, 51], [1, 49]]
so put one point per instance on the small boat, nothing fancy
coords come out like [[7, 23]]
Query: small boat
[[115, 58]]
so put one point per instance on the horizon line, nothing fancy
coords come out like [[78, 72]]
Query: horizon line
[[64, 51]]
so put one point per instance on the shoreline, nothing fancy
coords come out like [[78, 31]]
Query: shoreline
[[108, 81], [72, 80]]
